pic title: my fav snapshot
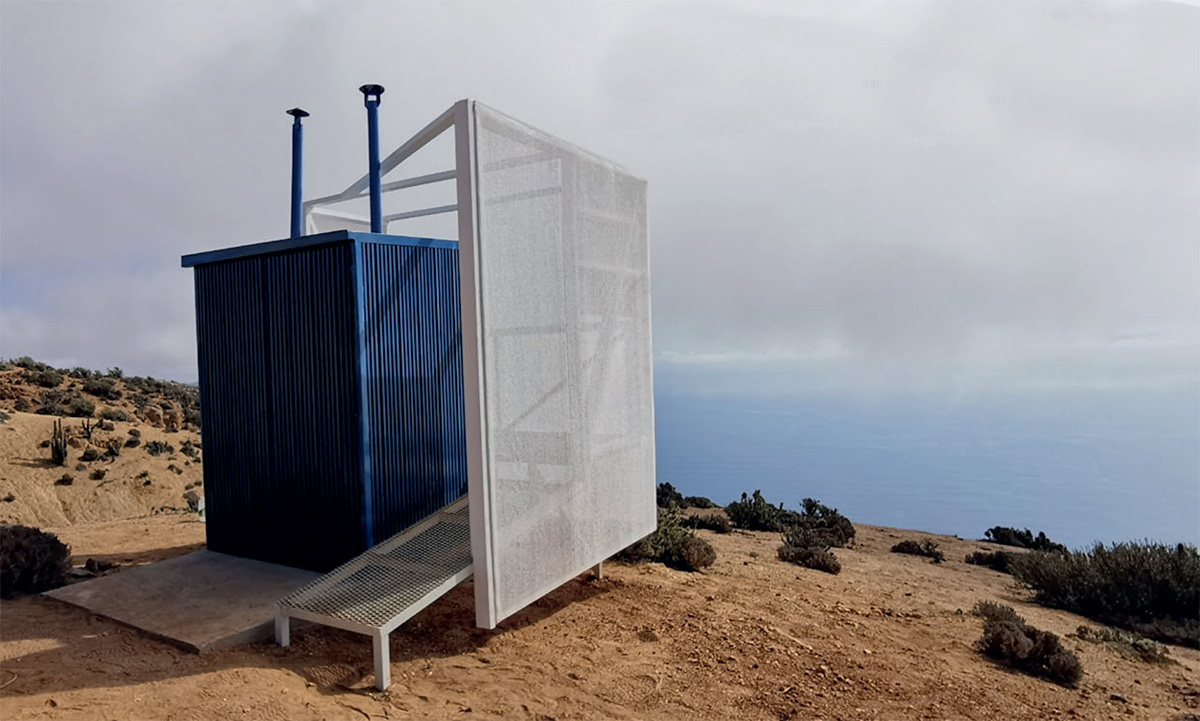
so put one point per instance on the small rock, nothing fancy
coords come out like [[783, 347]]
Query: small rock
[[1118, 698]]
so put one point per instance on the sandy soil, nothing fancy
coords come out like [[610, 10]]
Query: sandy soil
[[890, 637], [134, 484]]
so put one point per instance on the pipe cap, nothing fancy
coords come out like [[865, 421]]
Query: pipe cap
[[371, 90], [298, 113]]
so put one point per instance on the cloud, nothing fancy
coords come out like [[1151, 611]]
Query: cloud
[[904, 183]]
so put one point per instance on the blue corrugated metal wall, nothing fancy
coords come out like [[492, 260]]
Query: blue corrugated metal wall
[[331, 388], [414, 389]]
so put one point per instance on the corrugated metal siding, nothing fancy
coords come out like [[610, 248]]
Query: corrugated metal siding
[[414, 393], [295, 471], [279, 388], [312, 370], [234, 401]]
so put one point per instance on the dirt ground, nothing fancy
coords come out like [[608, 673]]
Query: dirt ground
[[889, 638]]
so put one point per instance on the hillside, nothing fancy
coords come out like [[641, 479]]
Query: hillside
[[890, 637], [141, 462]]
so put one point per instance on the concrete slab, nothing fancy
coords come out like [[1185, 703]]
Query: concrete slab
[[199, 602]]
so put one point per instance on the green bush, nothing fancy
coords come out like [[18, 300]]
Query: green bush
[[191, 450], [996, 560], [716, 522], [115, 414], [30, 364], [1125, 643], [667, 496], [1008, 638], [102, 388], [31, 561], [753, 513], [820, 559], [82, 373], [926, 548], [825, 524], [81, 408], [48, 378], [1006, 536], [671, 544], [698, 502], [1150, 588], [155, 448]]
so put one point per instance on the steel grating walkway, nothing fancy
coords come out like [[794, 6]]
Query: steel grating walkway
[[389, 584]]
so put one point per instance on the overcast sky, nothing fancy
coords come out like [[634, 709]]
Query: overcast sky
[[900, 191]]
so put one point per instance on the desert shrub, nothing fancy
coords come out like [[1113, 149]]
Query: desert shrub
[[1125, 643], [190, 450], [815, 557], [192, 417], [753, 513], [112, 448], [102, 388], [81, 408], [82, 373], [89, 455], [716, 522], [51, 406], [133, 442], [48, 378], [107, 426], [65, 480], [22, 405], [155, 448], [926, 548], [4, 417], [995, 560], [98, 474], [58, 444], [667, 496], [30, 364], [115, 414], [31, 561], [671, 544], [115, 373], [828, 527], [1150, 588], [698, 502], [1006, 536], [1008, 638]]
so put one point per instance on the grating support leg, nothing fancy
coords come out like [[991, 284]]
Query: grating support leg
[[599, 569], [383, 661], [283, 629]]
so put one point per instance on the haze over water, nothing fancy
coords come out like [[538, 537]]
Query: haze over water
[[1082, 465]]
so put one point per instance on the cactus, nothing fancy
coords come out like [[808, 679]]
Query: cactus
[[58, 444]]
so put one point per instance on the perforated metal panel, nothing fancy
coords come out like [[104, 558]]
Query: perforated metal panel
[[561, 344], [394, 580]]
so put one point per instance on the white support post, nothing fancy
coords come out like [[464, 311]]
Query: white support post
[[599, 571], [383, 661], [283, 628]]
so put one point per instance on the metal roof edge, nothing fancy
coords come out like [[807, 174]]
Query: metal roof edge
[[308, 241]]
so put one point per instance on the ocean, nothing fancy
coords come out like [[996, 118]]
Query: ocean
[[1083, 466]]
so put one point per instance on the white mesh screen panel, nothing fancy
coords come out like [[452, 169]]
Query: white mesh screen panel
[[562, 269]]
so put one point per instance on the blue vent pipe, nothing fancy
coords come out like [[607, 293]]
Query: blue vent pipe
[[297, 161], [371, 95]]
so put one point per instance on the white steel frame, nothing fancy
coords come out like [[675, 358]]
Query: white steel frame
[[460, 117]]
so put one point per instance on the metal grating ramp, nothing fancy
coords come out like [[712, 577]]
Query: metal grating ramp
[[377, 591]]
